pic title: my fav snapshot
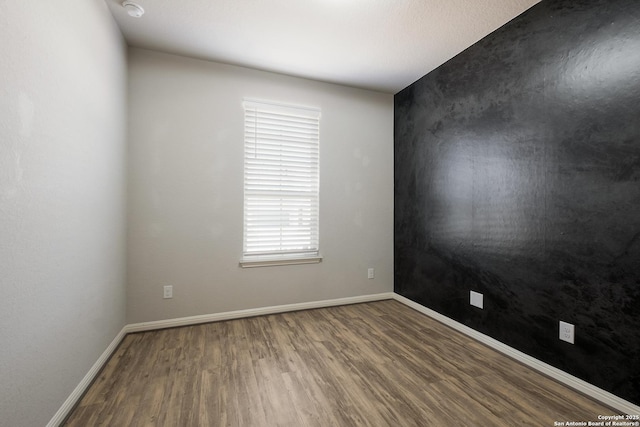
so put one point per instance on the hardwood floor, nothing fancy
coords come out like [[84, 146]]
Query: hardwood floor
[[373, 364]]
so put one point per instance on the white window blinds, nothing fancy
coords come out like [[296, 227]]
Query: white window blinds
[[281, 182]]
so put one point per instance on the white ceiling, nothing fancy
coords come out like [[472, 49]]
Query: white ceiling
[[383, 45]]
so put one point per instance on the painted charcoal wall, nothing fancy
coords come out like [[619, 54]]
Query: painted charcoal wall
[[517, 175]]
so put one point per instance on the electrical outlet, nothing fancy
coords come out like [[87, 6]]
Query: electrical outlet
[[567, 331], [476, 299], [168, 292], [370, 274]]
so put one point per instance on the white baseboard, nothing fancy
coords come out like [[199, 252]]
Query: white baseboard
[[229, 315], [598, 394], [77, 393]]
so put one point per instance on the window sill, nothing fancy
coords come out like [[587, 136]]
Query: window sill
[[272, 262]]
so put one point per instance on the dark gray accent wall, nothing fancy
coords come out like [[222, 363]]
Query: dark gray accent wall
[[517, 175]]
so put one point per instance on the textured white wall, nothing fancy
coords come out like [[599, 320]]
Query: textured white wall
[[186, 189], [62, 134]]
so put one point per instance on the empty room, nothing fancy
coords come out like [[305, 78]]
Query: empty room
[[320, 213]]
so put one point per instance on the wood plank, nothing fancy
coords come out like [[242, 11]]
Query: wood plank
[[370, 364]]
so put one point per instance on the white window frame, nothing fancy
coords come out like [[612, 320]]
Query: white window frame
[[281, 184]]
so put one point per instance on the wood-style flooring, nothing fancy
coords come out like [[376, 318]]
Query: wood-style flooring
[[373, 364]]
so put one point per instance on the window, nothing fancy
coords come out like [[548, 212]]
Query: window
[[281, 184]]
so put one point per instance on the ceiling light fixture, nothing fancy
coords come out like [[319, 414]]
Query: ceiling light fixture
[[133, 9]]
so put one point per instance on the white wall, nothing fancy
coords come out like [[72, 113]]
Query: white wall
[[62, 134], [186, 189]]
